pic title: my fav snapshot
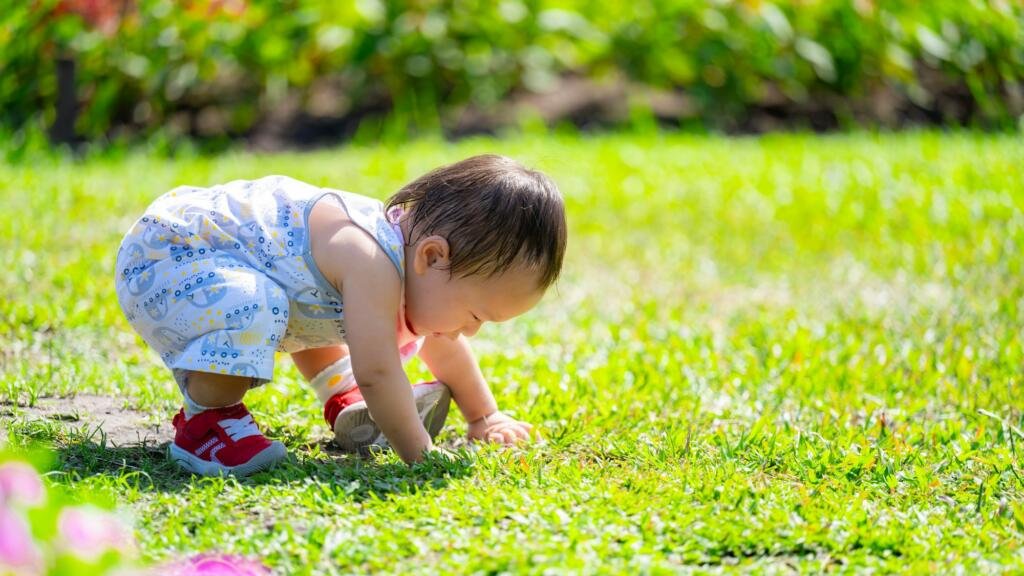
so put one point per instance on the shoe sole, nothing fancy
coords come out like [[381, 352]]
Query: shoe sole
[[355, 431], [263, 460]]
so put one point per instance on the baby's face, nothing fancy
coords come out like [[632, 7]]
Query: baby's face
[[437, 304]]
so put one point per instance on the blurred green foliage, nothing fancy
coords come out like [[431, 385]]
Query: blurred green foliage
[[209, 67]]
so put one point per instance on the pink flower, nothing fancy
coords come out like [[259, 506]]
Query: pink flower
[[20, 483], [215, 565], [88, 532], [17, 550]]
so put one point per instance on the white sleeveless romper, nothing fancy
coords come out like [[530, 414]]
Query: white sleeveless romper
[[219, 279]]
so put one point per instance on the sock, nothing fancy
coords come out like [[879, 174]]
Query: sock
[[334, 379]]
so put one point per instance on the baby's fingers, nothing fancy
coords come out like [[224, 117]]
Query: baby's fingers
[[498, 434], [522, 432], [515, 433]]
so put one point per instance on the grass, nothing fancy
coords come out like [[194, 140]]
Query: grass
[[765, 354]]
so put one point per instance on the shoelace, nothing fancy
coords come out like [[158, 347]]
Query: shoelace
[[238, 428]]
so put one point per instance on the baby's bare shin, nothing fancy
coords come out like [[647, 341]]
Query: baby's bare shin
[[217, 390], [312, 361]]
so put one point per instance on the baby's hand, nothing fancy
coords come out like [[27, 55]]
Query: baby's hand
[[499, 427]]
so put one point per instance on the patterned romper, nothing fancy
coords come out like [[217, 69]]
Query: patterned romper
[[219, 279]]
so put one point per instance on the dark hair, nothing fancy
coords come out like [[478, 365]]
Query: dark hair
[[495, 214]]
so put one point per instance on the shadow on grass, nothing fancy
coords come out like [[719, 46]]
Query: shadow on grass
[[144, 466], [359, 477]]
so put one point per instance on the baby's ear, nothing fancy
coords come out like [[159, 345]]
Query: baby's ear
[[431, 252]]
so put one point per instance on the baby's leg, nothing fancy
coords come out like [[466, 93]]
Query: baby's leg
[[216, 323], [206, 389], [312, 361], [328, 370]]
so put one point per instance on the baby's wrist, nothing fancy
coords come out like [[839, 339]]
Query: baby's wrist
[[484, 418], [474, 412]]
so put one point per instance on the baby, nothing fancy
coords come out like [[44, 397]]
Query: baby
[[218, 279]]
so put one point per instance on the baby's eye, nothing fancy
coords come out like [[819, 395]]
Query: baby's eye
[[474, 317]]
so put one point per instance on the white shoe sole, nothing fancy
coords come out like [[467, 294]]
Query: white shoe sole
[[263, 460], [355, 431]]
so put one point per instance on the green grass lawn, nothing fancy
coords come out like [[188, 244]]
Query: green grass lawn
[[773, 354]]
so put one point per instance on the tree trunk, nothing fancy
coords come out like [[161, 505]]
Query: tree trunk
[[63, 129]]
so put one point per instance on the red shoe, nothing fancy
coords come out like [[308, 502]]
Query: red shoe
[[355, 430], [222, 441]]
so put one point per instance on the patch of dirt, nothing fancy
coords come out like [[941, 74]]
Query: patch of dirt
[[121, 426]]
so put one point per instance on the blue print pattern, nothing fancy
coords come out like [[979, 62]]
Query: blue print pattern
[[219, 279]]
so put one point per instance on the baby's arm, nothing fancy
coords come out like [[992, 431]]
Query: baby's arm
[[371, 299], [452, 362]]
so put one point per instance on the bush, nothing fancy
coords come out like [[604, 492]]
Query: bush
[[214, 68]]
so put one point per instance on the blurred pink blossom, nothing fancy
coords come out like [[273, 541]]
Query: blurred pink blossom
[[215, 565], [88, 532], [17, 550], [20, 483]]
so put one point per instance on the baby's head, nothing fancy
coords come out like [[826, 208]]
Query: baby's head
[[484, 238]]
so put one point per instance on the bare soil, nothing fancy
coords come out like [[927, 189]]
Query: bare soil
[[122, 427]]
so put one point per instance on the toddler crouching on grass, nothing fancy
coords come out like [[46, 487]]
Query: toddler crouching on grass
[[218, 279]]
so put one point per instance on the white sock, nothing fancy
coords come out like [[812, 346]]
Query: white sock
[[334, 379]]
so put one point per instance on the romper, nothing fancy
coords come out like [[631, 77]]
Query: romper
[[219, 279]]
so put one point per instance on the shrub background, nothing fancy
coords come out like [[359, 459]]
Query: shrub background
[[228, 68]]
